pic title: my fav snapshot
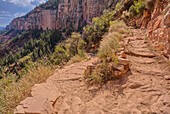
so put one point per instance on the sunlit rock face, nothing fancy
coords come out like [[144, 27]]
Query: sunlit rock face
[[68, 14], [44, 19], [159, 28]]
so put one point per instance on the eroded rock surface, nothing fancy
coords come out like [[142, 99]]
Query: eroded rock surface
[[159, 27], [144, 90]]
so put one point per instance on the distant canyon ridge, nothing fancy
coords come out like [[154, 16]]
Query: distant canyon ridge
[[65, 14]]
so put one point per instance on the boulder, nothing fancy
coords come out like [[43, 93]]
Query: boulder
[[34, 105], [46, 90], [123, 61], [42, 101], [167, 77]]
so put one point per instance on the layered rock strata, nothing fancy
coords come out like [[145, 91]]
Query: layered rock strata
[[68, 13]]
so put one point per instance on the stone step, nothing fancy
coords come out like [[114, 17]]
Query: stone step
[[149, 71], [43, 98], [142, 54], [142, 60], [36, 105]]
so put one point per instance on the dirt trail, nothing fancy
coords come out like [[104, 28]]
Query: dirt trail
[[145, 90]]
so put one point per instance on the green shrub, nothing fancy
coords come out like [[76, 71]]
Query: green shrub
[[75, 59], [75, 45], [149, 4], [93, 33], [102, 73], [59, 56], [118, 26], [132, 11], [137, 8], [119, 6], [109, 45]]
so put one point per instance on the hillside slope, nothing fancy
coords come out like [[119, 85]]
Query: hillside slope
[[64, 15], [145, 89], [71, 88]]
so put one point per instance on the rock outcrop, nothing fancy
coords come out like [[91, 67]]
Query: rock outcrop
[[67, 14], [157, 22], [159, 28]]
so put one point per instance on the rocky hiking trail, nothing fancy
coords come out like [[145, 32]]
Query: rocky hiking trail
[[145, 89]]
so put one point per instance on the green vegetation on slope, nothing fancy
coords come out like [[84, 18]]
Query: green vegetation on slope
[[12, 92], [37, 44], [41, 49], [108, 48], [51, 4], [18, 74], [139, 6], [93, 33]]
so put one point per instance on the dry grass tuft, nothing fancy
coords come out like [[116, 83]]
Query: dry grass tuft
[[15, 92], [118, 26], [76, 59], [109, 45], [110, 42]]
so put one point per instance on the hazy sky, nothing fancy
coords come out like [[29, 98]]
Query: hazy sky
[[10, 9]]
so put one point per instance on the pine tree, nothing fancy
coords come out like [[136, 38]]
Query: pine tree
[[5, 61], [11, 58], [1, 62], [25, 46], [31, 44], [18, 56], [43, 50], [40, 53], [35, 55], [48, 49], [0, 70]]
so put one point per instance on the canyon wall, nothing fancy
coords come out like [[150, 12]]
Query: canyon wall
[[159, 28], [68, 13]]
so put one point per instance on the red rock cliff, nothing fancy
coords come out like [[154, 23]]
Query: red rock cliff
[[68, 13]]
